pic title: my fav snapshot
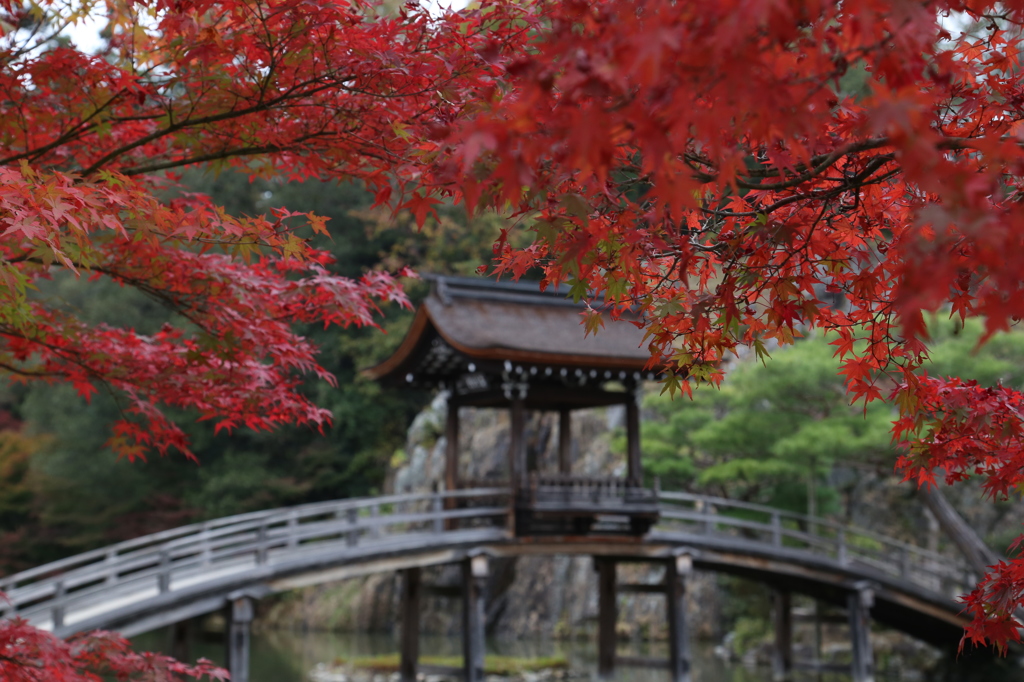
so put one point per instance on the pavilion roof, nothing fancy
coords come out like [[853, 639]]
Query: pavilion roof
[[470, 325]]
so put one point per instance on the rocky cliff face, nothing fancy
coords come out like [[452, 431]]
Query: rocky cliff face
[[528, 596]]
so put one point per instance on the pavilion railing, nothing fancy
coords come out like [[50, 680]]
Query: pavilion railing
[[610, 493]]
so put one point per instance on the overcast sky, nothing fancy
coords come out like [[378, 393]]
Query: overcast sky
[[86, 35]]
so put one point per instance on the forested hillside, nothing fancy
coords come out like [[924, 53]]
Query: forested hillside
[[780, 432], [63, 491], [783, 433]]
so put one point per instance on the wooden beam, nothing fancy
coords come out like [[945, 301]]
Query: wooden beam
[[545, 396], [679, 658], [564, 441], [782, 652], [634, 468], [858, 606], [410, 644], [606, 616]]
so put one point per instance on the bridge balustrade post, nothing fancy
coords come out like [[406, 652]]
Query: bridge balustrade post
[[240, 614], [163, 578], [841, 547], [8, 609], [709, 522], [410, 624], [111, 561], [606, 616], [437, 509], [352, 535], [904, 562], [679, 657], [261, 544], [374, 517], [293, 530], [474, 573], [57, 613], [776, 529], [207, 554], [858, 604]]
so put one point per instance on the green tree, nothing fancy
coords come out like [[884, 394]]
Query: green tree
[[82, 495], [774, 431]]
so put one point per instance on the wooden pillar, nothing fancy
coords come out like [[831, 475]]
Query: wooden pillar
[[451, 453], [782, 653], [451, 457], [240, 613], [564, 441], [817, 633], [474, 581], [531, 455], [182, 640], [634, 470], [517, 448], [858, 604], [679, 655], [606, 616], [410, 624]]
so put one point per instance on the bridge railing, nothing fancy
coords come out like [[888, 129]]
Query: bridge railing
[[162, 561], [847, 544], [174, 559]]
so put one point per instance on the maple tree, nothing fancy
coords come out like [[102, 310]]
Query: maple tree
[[89, 147], [31, 655], [307, 89], [724, 167], [720, 167]]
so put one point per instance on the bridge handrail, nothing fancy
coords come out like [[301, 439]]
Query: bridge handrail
[[161, 566], [199, 532], [252, 537], [929, 562]]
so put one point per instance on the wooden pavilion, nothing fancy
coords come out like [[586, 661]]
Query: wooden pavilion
[[511, 346]]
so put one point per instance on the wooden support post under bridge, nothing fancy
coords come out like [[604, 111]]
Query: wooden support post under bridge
[[782, 652], [474, 579], [858, 605], [182, 639], [410, 644], [676, 573], [606, 616], [239, 629], [677, 570]]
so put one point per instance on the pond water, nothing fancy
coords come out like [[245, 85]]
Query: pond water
[[287, 656]]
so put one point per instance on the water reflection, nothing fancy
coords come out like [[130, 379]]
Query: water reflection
[[286, 656]]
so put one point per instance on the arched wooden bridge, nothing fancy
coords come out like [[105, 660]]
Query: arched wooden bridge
[[160, 579]]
